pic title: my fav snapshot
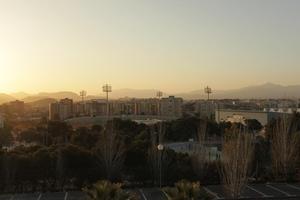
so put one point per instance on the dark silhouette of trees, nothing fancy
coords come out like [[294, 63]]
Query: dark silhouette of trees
[[237, 155], [253, 125], [285, 140], [6, 137], [110, 151]]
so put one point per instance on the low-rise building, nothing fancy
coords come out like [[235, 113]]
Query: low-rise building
[[170, 107], [209, 153], [239, 116]]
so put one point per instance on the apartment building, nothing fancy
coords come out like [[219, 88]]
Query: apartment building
[[171, 106], [65, 108], [61, 110]]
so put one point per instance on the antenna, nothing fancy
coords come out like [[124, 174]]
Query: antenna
[[208, 91], [107, 89]]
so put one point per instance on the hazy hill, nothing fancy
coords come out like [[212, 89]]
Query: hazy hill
[[43, 103], [134, 93], [4, 98], [268, 90], [19, 95], [54, 95]]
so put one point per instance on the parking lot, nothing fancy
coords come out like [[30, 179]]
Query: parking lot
[[262, 191], [278, 191]]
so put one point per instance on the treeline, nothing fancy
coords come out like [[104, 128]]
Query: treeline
[[56, 157]]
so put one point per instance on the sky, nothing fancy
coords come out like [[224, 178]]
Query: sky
[[170, 45]]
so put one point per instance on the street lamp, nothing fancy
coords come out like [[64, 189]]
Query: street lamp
[[160, 148]]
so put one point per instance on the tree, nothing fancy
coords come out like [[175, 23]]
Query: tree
[[59, 132], [237, 155], [185, 190], [85, 138], [105, 190], [111, 151], [262, 160], [253, 125], [285, 148], [6, 137], [30, 136], [136, 162], [200, 162]]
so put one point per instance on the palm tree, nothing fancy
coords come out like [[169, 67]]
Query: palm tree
[[105, 190], [185, 190]]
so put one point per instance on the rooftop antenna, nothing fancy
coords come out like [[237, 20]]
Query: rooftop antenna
[[208, 91], [107, 89]]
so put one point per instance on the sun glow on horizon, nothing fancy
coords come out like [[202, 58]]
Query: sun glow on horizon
[[183, 46]]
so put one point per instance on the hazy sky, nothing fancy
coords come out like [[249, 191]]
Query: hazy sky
[[172, 45]]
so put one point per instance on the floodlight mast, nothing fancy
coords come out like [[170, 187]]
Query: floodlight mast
[[83, 95], [159, 95], [208, 91], [107, 89]]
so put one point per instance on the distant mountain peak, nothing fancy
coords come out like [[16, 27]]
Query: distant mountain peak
[[269, 84]]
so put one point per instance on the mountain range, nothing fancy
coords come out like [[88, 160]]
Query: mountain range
[[268, 90]]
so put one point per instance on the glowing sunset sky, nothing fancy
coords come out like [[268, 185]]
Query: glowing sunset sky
[[172, 45]]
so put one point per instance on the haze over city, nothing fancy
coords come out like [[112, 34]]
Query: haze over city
[[172, 45], [149, 99]]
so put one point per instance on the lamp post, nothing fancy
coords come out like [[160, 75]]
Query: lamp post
[[160, 148]]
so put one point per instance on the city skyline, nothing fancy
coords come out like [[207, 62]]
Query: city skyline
[[173, 46]]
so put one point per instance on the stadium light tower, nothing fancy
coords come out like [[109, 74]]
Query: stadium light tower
[[159, 94], [208, 91], [83, 95], [107, 89]]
